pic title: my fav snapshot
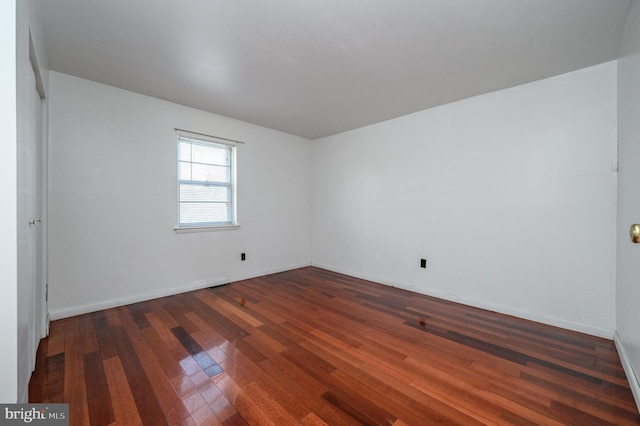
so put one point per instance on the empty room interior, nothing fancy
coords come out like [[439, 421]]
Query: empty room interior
[[321, 212]]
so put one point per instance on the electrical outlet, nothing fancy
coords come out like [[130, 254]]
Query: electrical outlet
[[423, 263], [243, 257]]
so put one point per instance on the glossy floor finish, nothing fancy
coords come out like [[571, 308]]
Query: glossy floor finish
[[314, 347]]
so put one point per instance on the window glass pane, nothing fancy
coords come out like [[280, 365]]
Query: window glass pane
[[205, 193], [194, 213], [210, 154], [184, 151], [207, 173], [185, 170]]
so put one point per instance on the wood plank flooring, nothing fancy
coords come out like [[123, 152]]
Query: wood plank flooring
[[313, 347]]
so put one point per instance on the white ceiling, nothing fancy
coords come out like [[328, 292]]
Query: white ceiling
[[318, 67]]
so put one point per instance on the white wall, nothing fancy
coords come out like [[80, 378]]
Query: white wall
[[8, 191], [628, 265], [113, 200], [509, 195]]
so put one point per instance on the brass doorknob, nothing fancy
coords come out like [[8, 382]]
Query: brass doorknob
[[635, 233]]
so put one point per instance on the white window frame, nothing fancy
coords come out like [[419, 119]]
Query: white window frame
[[182, 135]]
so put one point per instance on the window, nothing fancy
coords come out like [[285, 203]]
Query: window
[[206, 182]]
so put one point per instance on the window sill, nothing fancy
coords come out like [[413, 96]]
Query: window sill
[[192, 229]]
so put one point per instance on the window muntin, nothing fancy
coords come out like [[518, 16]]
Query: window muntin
[[206, 183]]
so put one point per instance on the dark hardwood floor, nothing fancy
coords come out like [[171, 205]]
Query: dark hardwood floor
[[313, 347]]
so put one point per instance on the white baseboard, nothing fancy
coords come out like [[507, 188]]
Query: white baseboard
[[556, 322], [83, 309], [141, 297], [628, 369]]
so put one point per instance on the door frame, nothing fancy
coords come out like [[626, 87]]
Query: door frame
[[41, 327]]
